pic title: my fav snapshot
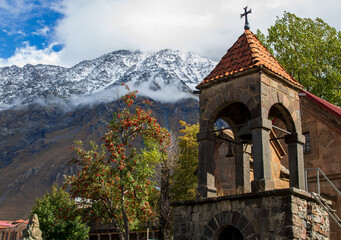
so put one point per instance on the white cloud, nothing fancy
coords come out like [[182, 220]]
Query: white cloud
[[32, 55], [92, 28], [42, 31]]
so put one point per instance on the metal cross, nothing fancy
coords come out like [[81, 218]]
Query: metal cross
[[246, 12]]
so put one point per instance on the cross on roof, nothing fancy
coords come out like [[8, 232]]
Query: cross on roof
[[246, 12]]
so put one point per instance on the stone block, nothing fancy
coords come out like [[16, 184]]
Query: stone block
[[261, 212], [254, 236], [235, 218], [246, 96], [213, 224], [243, 222], [274, 84], [228, 217], [229, 95], [203, 238], [218, 100], [237, 94], [265, 90], [221, 219], [275, 210], [287, 231], [297, 221], [260, 185], [208, 233], [179, 237], [287, 219], [248, 231]]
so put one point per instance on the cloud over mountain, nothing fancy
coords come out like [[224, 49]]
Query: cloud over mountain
[[165, 76]]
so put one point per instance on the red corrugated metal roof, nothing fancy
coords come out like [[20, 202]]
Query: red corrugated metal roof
[[6, 224], [324, 104], [246, 53], [9, 224]]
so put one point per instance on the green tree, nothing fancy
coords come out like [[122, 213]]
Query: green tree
[[115, 177], [161, 201], [184, 179], [58, 216], [310, 51]]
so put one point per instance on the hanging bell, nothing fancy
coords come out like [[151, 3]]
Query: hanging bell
[[229, 151], [245, 135]]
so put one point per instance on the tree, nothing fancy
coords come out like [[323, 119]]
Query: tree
[[310, 51], [163, 171], [114, 177], [184, 178], [58, 216]]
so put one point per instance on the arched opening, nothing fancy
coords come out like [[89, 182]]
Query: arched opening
[[234, 114], [280, 115], [229, 151], [231, 233], [283, 125]]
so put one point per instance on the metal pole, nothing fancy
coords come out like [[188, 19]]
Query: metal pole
[[318, 181], [306, 179], [281, 129]]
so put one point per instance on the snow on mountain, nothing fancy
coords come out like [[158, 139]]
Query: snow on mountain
[[165, 75]]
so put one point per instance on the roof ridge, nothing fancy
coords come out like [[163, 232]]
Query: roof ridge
[[335, 110], [250, 42], [246, 53]]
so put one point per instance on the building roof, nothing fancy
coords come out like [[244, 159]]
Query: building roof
[[246, 53], [11, 224], [6, 224], [323, 103]]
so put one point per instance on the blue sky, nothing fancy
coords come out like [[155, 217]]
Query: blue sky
[[26, 23], [65, 32]]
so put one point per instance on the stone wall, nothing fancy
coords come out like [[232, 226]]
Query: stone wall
[[325, 140], [272, 215]]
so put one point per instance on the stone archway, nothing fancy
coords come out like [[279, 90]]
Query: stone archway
[[294, 141], [230, 233], [228, 222]]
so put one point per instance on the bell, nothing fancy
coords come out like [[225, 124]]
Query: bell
[[245, 135], [229, 151]]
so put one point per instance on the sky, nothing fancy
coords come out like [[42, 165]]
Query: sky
[[65, 32]]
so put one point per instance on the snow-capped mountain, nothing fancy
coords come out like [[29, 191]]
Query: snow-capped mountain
[[150, 72], [34, 140]]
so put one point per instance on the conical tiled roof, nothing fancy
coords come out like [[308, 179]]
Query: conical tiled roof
[[247, 53]]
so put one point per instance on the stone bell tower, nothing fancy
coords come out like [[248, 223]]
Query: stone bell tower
[[248, 89], [258, 100]]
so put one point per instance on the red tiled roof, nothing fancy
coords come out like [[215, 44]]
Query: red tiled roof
[[246, 53], [324, 104]]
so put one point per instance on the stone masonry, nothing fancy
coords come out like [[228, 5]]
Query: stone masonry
[[270, 215]]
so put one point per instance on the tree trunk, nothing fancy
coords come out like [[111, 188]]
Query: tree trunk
[[125, 219], [165, 214]]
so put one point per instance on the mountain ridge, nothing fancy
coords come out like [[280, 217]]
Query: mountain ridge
[[149, 72]]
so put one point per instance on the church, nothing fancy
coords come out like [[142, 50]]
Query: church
[[280, 143]]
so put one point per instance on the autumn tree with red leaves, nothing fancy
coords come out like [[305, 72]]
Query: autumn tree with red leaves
[[115, 179]]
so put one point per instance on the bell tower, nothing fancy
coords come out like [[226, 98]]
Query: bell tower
[[250, 104], [250, 91]]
